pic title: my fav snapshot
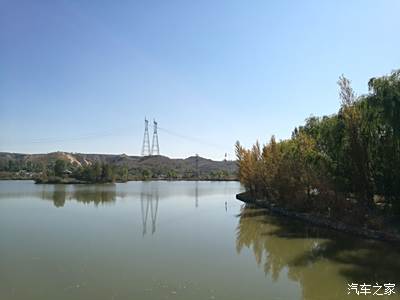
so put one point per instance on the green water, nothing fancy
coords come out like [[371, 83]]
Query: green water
[[172, 240]]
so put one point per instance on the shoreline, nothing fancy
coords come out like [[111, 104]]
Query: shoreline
[[87, 182], [321, 220], [123, 181]]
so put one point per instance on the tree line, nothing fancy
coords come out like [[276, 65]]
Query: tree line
[[62, 168], [346, 161], [98, 172]]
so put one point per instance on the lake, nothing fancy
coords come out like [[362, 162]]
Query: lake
[[173, 240]]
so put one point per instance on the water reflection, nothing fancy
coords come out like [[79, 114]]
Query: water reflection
[[96, 194], [321, 261], [149, 198], [196, 194]]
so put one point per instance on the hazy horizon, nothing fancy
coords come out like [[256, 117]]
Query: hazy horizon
[[131, 155]]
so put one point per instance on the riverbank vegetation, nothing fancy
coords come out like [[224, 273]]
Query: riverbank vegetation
[[64, 167], [346, 165], [62, 172]]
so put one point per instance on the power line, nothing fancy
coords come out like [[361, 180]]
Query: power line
[[126, 131], [189, 138]]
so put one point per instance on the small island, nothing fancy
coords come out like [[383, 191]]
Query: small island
[[61, 172]]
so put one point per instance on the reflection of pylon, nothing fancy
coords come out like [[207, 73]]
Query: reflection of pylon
[[148, 197], [144, 213], [154, 214], [146, 140], [196, 194], [155, 149]]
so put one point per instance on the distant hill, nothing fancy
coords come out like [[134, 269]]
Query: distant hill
[[159, 166]]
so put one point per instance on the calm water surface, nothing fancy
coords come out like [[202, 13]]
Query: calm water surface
[[172, 240]]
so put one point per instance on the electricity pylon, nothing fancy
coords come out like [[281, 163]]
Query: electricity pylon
[[155, 148], [146, 140]]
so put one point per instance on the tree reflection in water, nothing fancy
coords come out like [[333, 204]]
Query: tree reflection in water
[[95, 193], [321, 261]]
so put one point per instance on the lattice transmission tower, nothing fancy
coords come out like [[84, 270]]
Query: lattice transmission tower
[[146, 140], [155, 148]]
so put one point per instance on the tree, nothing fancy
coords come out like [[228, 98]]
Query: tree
[[171, 174], [107, 173], [146, 174], [382, 106], [354, 154], [96, 172], [124, 173], [356, 146], [59, 168]]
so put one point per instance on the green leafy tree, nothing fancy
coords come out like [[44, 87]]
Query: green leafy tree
[[107, 173], [59, 168], [356, 146], [352, 155]]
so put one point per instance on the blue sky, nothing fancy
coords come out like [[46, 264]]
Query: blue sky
[[81, 76]]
